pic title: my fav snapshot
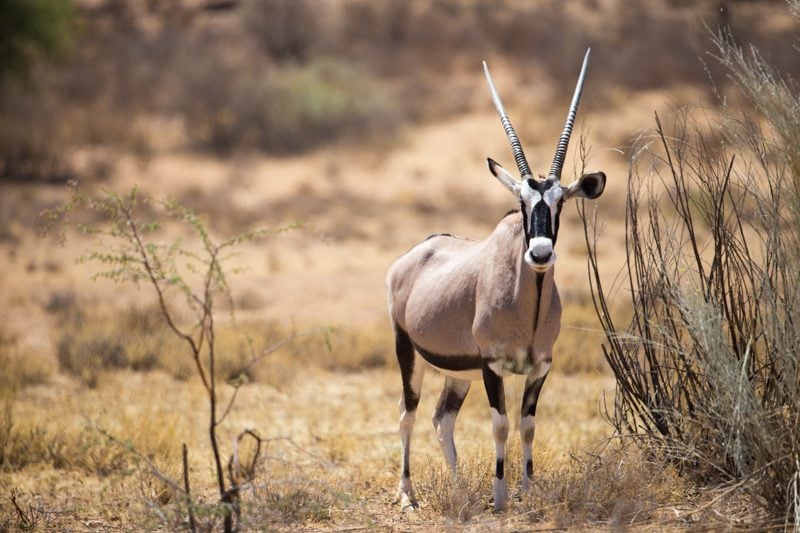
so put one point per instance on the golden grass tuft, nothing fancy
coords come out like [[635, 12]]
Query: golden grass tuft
[[461, 498], [615, 488], [21, 368], [290, 493], [25, 444]]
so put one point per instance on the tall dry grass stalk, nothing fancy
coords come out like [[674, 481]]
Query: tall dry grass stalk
[[707, 369]]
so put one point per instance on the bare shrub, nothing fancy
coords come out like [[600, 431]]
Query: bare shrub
[[288, 109], [21, 512], [86, 357], [707, 369], [20, 367], [90, 343], [24, 443], [32, 140], [286, 29]]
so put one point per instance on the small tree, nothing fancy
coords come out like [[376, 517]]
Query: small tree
[[187, 284]]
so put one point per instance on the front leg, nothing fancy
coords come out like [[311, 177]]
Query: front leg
[[527, 425], [497, 401]]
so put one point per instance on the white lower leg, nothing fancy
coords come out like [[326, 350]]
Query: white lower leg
[[527, 430], [445, 426], [405, 491], [499, 491]]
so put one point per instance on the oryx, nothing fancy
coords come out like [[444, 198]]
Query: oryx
[[484, 309]]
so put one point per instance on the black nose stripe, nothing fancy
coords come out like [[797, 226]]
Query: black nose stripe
[[541, 224]]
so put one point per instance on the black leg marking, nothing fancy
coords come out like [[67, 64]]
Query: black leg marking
[[405, 358], [494, 389], [531, 396], [498, 472], [406, 470], [529, 469], [450, 401]]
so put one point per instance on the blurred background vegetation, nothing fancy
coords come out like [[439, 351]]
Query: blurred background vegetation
[[286, 76]]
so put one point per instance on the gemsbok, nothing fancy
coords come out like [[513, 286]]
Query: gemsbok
[[486, 309]]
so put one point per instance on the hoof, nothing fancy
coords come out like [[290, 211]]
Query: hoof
[[405, 496], [408, 504]]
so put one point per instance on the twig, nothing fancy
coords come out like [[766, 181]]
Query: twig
[[190, 511]]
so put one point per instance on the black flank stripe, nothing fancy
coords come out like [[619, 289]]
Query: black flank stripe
[[453, 363]]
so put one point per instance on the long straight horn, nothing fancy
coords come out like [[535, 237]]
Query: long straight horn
[[519, 155], [563, 142]]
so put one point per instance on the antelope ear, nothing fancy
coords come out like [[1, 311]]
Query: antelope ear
[[589, 186], [503, 176]]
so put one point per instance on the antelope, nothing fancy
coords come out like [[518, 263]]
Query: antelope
[[486, 309]]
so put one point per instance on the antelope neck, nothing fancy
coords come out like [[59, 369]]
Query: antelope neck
[[531, 285]]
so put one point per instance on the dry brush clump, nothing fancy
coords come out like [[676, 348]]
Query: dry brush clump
[[707, 369], [605, 485], [25, 444], [21, 366], [615, 486]]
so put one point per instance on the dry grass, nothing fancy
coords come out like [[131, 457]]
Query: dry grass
[[96, 392], [616, 488], [22, 368], [331, 457], [91, 342], [577, 350]]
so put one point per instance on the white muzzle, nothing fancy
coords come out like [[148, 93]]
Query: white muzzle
[[540, 255]]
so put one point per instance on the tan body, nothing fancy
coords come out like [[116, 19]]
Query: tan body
[[489, 294]]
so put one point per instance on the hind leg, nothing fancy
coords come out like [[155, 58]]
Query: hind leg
[[444, 417], [412, 370]]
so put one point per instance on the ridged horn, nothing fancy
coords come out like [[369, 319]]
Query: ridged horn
[[563, 142], [519, 155]]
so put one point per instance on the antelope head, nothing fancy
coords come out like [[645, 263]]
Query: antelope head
[[542, 198]]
